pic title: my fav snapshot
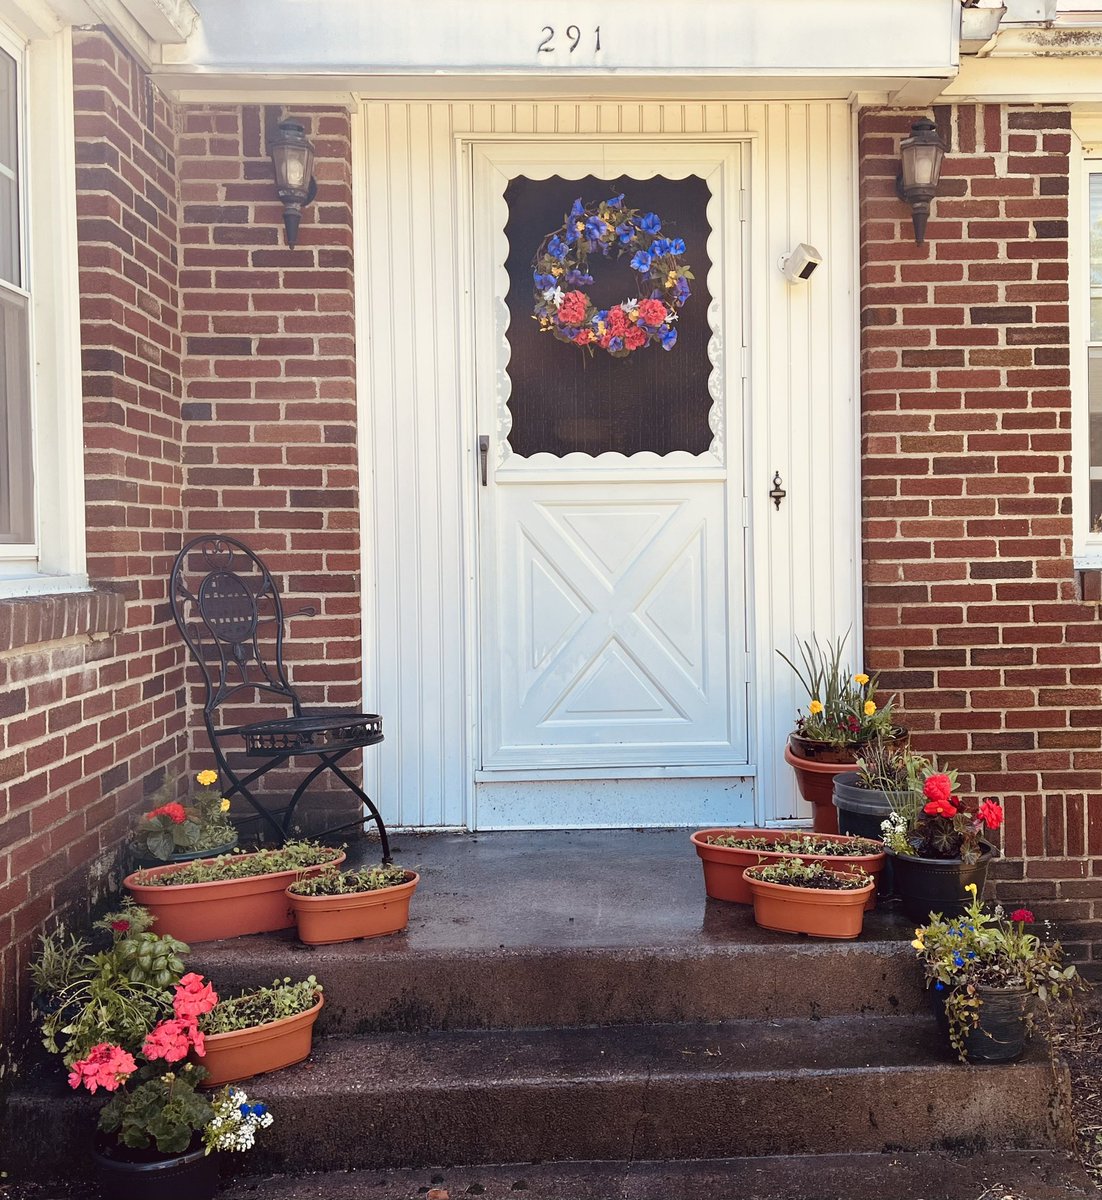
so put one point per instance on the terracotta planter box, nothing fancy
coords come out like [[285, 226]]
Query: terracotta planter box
[[819, 912], [323, 920], [208, 912], [724, 865], [230, 1057]]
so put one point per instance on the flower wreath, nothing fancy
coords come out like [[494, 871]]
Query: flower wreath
[[562, 261]]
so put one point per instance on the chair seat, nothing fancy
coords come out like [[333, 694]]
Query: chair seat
[[312, 733]]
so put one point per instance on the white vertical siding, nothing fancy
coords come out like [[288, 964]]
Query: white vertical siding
[[420, 548]]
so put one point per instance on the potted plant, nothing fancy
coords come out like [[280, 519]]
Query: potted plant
[[228, 896], [726, 853], [990, 977], [86, 997], [260, 1031], [793, 896], [340, 906], [842, 716], [175, 832], [935, 845], [863, 796], [127, 1003]]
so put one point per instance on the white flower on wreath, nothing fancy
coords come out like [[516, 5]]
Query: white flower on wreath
[[555, 296], [628, 305]]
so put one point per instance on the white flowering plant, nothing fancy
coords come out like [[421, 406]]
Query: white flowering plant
[[235, 1121]]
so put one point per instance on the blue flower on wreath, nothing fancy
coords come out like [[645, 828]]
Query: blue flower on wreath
[[595, 229], [625, 232], [616, 201], [577, 210], [616, 343], [641, 262], [543, 282], [651, 223], [677, 246], [557, 248], [660, 246], [578, 278], [681, 291], [669, 339]]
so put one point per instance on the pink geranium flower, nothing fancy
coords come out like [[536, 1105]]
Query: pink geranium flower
[[105, 1067], [171, 1040], [194, 997]]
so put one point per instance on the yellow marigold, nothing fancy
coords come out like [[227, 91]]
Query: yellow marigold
[[862, 679], [970, 887], [919, 944], [206, 778], [225, 805], [815, 708], [870, 708]]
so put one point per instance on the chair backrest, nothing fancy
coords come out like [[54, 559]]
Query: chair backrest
[[221, 595]]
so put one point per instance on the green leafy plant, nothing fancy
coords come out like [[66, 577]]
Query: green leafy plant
[[200, 823], [803, 843], [163, 1109], [841, 711], [990, 950], [294, 856], [794, 872], [283, 999], [112, 995], [346, 883], [885, 766]]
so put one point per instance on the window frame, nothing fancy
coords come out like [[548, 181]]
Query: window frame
[[50, 277]]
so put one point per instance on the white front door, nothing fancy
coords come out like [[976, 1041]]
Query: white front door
[[613, 603]]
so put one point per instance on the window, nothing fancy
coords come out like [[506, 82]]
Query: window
[[41, 432], [17, 522]]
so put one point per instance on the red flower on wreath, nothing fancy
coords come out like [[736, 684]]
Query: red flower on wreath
[[652, 312], [572, 309], [617, 322], [634, 338]]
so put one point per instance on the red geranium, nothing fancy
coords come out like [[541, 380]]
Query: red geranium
[[1023, 915], [105, 1066], [572, 309], [940, 808], [938, 787], [991, 813], [583, 337], [617, 321]]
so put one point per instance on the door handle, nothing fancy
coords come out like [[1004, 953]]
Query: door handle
[[483, 455]]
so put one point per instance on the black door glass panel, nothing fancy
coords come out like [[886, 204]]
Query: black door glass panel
[[563, 397]]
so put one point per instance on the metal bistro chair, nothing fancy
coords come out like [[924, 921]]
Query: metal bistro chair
[[221, 595]]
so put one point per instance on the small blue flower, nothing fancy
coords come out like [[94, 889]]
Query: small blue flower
[[543, 282], [577, 210], [651, 224], [625, 232], [260, 1109], [616, 201], [681, 291], [641, 262], [971, 954], [958, 959], [669, 339], [939, 986], [677, 246], [595, 228], [660, 246], [616, 343], [578, 278], [244, 1109], [556, 247]]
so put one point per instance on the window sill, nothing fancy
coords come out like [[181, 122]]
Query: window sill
[[32, 620]]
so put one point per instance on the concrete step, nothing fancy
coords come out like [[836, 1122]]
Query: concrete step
[[741, 1088], [398, 985], [1024, 1175]]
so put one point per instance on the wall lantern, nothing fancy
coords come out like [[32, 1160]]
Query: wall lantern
[[916, 184], [293, 159]]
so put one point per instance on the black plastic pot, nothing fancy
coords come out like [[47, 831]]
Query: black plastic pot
[[861, 812], [122, 1175], [937, 885], [142, 861], [1002, 1031]]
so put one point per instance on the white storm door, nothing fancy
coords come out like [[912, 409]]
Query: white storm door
[[611, 541]]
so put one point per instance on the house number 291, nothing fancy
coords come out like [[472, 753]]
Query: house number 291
[[573, 37]]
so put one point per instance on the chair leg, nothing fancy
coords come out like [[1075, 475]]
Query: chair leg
[[289, 811], [241, 787], [376, 816]]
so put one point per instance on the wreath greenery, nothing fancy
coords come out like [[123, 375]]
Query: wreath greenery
[[560, 273]]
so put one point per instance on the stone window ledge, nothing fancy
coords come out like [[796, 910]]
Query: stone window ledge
[[32, 620]]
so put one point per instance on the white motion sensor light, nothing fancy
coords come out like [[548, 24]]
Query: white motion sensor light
[[800, 264]]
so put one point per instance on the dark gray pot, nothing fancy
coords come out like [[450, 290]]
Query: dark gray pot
[[861, 812]]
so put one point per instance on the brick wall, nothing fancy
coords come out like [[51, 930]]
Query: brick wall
[[269, 377], [90, 688], [971, 607]]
